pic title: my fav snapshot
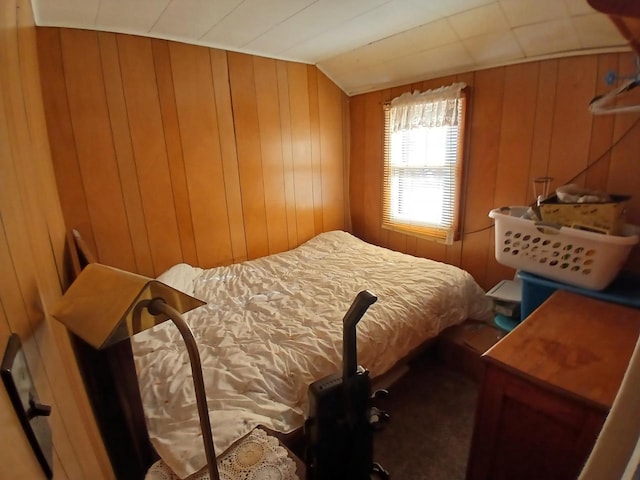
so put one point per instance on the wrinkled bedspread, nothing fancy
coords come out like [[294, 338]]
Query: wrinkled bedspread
[[273, 325]]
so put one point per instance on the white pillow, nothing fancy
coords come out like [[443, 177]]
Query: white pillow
[[181, 277]]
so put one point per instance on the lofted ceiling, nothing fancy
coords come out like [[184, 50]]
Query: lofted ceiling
[[362, 45]]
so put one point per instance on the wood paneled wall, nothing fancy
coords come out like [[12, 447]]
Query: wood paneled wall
[[527, 120], [166, 152], [32, 273]]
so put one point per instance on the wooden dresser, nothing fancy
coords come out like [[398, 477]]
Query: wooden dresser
[[547, 389]]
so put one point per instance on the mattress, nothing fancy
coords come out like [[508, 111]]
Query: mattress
[[273, 325]]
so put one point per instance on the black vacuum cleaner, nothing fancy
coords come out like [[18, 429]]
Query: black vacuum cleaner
[[341, 422]]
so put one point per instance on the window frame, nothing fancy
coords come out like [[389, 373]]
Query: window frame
[[432, 233]]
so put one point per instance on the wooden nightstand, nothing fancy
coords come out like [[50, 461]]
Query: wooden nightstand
[[548, 387]]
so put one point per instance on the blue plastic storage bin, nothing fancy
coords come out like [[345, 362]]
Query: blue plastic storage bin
[[625, 290]]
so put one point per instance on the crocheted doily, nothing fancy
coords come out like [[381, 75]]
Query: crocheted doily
[[257, 456]]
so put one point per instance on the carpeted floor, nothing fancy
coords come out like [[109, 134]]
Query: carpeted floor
[[428, 435]]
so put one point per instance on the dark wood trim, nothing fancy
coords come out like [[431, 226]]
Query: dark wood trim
[[109, 377], [110, 380]]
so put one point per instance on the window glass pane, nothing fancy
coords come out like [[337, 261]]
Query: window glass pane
[[420, 146], [416, 198], [420, 179], [420, 190]]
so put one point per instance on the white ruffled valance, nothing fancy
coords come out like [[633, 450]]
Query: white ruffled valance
[[433, 108]]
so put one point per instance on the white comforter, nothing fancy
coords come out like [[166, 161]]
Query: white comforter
[[274, 325]]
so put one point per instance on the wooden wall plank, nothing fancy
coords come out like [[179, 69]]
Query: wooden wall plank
[[332, 132], [572, 119], [124, 152], [226, 135], [371, 174], [63, 150], [316, 162], [624, 174], [170, 124], [346, 148], [149, 149], [482, 170], [41, 169], [94, 145], [197, 115], [31, 259], [514, 152], [268, 108], [358, 140], [244, 101], [601, 131], [516, 135], [301, 149], [287, 152], [543, 126], [453, 254]]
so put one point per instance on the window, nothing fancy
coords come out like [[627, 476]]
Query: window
[[423, 142]]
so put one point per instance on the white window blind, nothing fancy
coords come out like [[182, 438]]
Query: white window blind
[[422, 162]]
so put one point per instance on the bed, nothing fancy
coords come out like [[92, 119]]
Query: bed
[[273, 325]]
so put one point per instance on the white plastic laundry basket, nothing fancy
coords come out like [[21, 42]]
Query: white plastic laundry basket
[[577, 257]]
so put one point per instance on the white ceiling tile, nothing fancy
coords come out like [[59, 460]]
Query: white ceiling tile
[[65, 13], [391, 18], [556, 36], [406, 43], [355, 84], [382, 22], [479, 21], [432, 35], [192, 18], [339, 66], [451, 7], [374, 78], [379, 23], [414, 66], [596, 30], [443, 60], [492, 48], [579, 7], [392, 47], [318, 17], [251, 19], [381, 51], [386, 75], [527, 12], [358, 43], [141, 15], [326, 45], [371, 54]]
